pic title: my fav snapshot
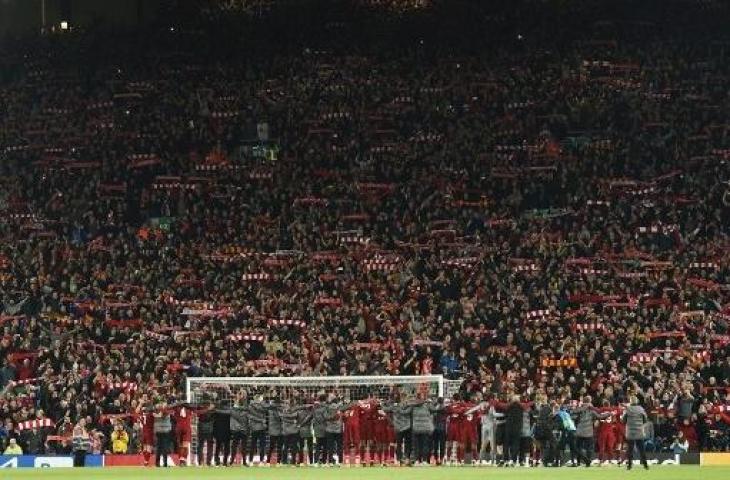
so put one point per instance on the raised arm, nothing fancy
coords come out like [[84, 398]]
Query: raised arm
[[476, 408]]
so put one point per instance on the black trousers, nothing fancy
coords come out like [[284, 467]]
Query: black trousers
[[567, 438], [207, 442], [162, 447], [403, 445], [290, 448], [547, 446], [79, 458], [525, 447], [439, 445], [422, 446], [334, 445], [258, 445], [222, 449], [276, 444], [585, 447], [630, 451], [239, 442], [321, 455], [305, 442], [512, 446]]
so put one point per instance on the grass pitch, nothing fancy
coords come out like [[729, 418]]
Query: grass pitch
[[290, 473]]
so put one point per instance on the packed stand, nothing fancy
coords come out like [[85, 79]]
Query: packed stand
[[529, 220]]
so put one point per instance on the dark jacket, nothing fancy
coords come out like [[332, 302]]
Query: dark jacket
[[544, 421], [205, 424], [513, 419], [222, 423], [319, 419], [289, 420], [422, 415], [274, 417], [401, 415], [585, 417], [239, 420], [257, 416], [334, 419], [634, 417], [304, 421], [33, 440], [439, 418]]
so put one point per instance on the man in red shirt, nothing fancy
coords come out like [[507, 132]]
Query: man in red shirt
[[351, 423], [183, 416], [148, 434], [470, 426], [606, 433], [383, 435], [359, 428], [460, 430], [368, 420]]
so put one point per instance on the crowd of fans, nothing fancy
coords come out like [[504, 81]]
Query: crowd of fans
[[535, 218]]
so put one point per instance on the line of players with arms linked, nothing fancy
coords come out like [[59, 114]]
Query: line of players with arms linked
[[292, 428]]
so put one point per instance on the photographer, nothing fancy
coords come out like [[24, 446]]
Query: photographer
[[119, 439]]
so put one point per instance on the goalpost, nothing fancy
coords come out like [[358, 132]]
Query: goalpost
[[224, 390]]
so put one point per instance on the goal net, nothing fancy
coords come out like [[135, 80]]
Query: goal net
[[225, 390]]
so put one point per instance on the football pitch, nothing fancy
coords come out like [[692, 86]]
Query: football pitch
[[392, 473]]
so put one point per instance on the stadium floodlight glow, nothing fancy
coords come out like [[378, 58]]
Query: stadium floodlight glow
[[64, 25]]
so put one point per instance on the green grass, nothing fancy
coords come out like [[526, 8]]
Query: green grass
[[288, 473]]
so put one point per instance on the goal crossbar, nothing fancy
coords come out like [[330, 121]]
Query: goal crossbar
[[324, 382]]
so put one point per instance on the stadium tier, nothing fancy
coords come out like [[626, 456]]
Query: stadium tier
[[369, 232]]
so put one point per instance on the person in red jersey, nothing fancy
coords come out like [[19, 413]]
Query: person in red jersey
[[148, 434], [384, 435], [351, 423], [469, 435], [359, 428], [368, 419], [459, 430], [606, 433], [183, 416]]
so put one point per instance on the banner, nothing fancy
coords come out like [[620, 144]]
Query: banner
[[32, 461], [715, 459]]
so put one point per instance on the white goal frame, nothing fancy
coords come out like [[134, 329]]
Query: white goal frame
[[325, 382], [438, 386]]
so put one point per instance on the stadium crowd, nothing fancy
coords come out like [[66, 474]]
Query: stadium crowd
[[537, 219]]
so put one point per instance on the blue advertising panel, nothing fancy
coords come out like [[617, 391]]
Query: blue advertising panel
[[51, 461]]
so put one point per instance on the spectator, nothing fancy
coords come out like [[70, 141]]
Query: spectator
[[13, 448], [34, 441], [448, 363], [689, 432], [680, 444], [119, 439], [81, 443]]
